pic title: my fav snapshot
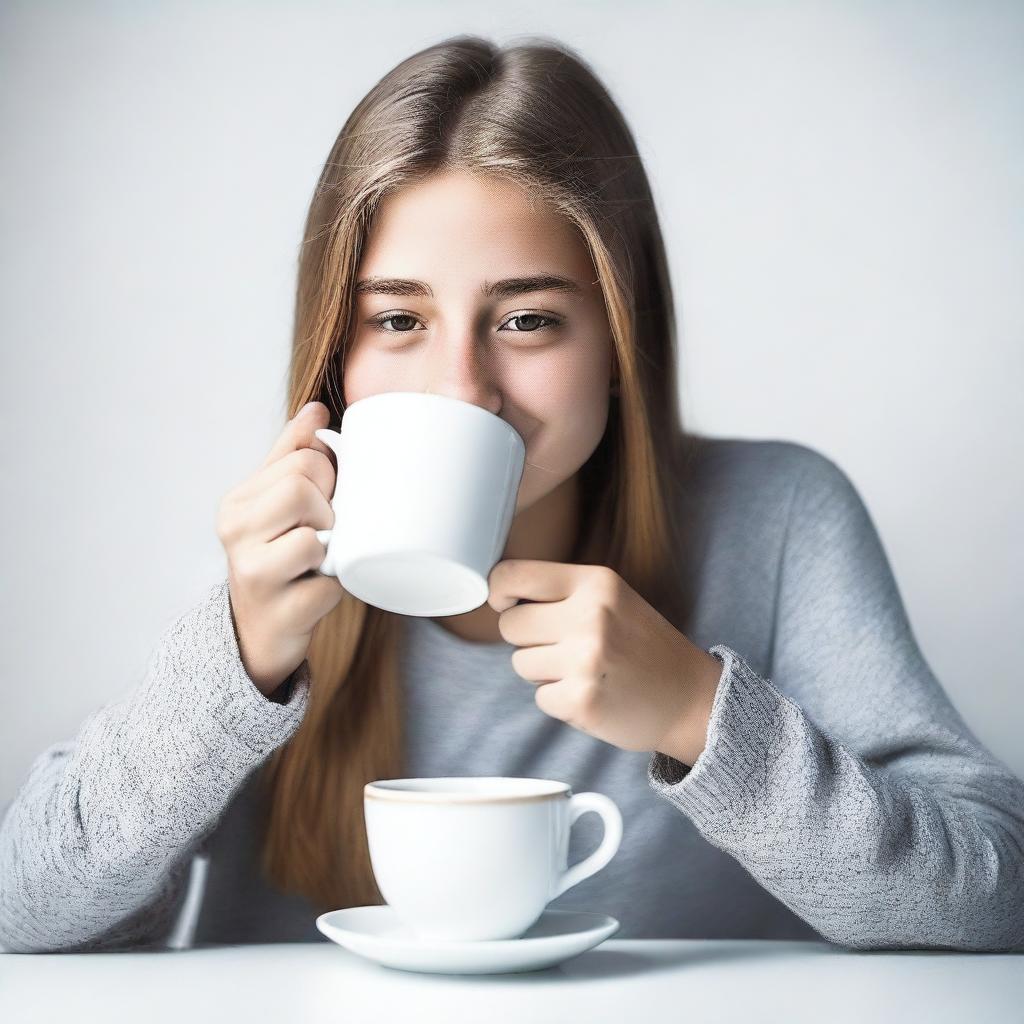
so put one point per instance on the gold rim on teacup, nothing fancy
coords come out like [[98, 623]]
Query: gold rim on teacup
[[406, 791]]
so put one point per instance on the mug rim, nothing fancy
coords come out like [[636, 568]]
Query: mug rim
[[405, 791], [433, 396]]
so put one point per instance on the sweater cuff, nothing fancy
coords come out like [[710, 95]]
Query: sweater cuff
[[218, 685], [747, 727]]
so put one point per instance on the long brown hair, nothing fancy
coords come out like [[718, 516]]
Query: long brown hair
[[535, 113]]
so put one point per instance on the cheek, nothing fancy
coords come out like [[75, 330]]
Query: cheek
[[567, 404], [369, 371], [577, 375]]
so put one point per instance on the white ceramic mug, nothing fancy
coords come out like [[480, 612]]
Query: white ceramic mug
[[478, 857], [423, 501]]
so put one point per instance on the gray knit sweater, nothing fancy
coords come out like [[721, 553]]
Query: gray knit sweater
[[840, 795]]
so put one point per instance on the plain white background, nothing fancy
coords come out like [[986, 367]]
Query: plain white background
[[841, 188]]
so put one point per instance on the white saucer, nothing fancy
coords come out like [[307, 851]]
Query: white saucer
[[377, 934]]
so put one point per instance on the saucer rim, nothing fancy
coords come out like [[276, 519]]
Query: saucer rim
[[601, 923]]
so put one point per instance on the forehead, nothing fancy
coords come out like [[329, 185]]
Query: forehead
[[471, 224]]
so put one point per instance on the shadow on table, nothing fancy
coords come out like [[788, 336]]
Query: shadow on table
[[614, 963]]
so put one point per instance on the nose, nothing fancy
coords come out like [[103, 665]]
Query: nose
[[461, 370]]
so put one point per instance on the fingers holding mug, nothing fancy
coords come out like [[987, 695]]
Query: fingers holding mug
[[300, 432]]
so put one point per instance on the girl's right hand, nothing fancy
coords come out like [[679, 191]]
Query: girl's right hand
[[267, 525]]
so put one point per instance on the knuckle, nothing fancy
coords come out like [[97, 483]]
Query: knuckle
[[606, 581], [219, 523], [296, 487], [591, 653], [305, 539], [598, 621], [311, 549], [587, 705], [245, 567], [319, 469], [226, 523], [518, 662], [308, 459]]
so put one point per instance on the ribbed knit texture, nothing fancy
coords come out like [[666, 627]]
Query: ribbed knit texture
[[103, 829], [840, 795]]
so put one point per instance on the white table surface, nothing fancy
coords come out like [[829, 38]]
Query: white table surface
[[622, 980]]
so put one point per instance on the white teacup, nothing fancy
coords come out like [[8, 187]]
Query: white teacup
[[478, 857], [423, 503]]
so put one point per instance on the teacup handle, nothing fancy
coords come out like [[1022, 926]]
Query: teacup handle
[[580, 803]]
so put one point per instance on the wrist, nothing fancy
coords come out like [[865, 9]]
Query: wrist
[[687, 738], [282, 694]]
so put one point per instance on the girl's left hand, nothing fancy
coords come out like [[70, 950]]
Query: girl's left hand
[[608, 663]]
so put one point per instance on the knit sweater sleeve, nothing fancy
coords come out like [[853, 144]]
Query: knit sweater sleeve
[[96, 845], [851, 788]]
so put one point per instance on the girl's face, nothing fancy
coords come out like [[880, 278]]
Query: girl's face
[[458, 294]]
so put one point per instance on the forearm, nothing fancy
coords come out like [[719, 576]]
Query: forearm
[[56, 896], [105, 824], [869, 859]]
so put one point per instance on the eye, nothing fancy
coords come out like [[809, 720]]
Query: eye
[[551, 322], [383, 318], [402, 323]]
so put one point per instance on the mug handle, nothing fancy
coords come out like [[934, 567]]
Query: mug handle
[[331, 439], [580, 803], [325, 568]]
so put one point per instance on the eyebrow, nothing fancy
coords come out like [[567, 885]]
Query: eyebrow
[[505, 289]]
